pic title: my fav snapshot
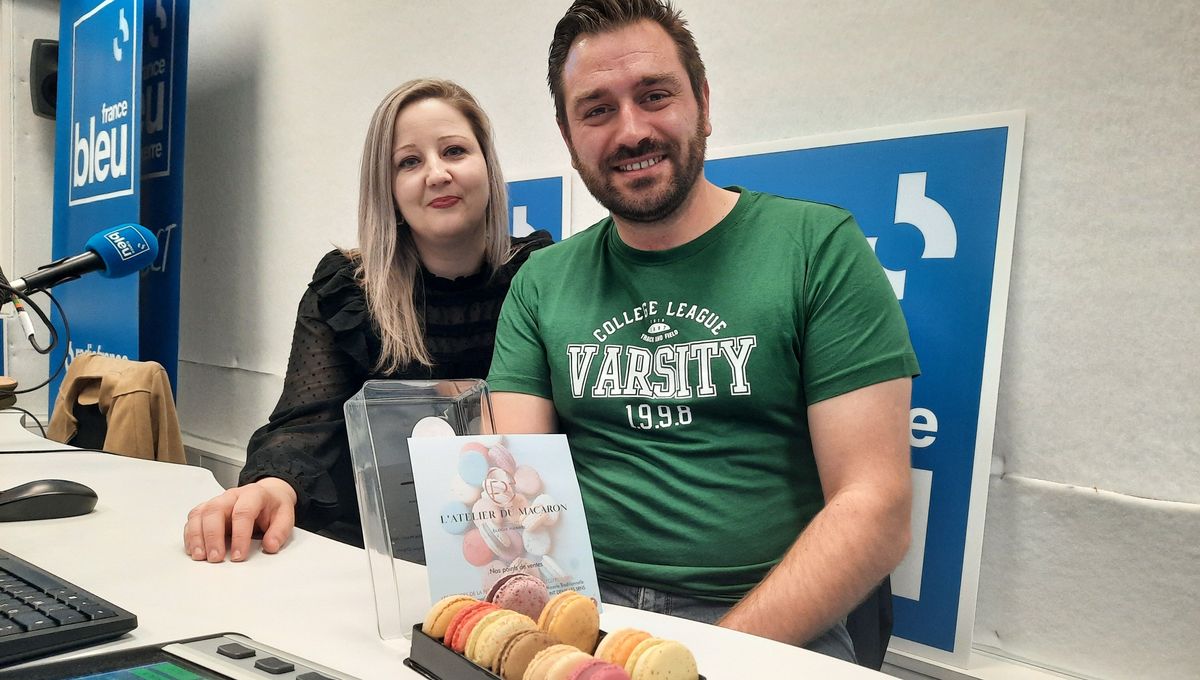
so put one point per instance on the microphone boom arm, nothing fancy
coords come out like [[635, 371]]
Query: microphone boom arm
[[59, 271]]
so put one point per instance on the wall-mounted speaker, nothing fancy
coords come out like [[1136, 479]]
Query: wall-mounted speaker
[[43, 77]]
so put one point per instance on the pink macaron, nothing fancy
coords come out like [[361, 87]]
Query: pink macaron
[[522, 593], [598, 670], [499, 456], [527, 480], [464, 622], [475, 549], [474, 446]]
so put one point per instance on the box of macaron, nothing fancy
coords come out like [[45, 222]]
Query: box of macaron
[[519, 632]]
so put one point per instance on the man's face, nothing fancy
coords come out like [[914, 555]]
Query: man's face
[[632, 123]]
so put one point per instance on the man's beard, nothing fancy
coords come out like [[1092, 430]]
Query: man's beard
[[650, 207]]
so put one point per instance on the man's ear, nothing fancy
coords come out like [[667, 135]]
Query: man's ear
[[704, 109], [565, 131]]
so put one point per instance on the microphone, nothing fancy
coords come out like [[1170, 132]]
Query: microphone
[[114, 253]]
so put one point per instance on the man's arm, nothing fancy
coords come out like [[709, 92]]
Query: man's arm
[[516, 413], [860, 442]]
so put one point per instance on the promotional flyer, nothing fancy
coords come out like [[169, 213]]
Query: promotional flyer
[[496, 505]]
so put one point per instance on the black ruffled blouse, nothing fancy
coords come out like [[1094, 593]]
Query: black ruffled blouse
[[335, 347]]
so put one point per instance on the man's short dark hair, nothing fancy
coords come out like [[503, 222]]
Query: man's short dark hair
[[599, 16]]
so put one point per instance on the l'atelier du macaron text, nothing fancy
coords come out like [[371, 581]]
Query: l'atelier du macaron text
[[457, 517]]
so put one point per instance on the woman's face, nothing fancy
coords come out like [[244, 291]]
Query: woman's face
[[440, 179]]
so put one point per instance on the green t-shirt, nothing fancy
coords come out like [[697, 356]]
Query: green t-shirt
[[681, 379]]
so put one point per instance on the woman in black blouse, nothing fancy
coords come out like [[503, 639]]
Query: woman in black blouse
[[419, 299]]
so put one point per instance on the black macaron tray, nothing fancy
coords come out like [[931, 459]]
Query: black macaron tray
[[429, 657]]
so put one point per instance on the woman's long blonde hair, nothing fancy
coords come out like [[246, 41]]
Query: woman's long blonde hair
[[388, 262]]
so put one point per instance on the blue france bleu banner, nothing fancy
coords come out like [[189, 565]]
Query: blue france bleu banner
[[118, 159], [164, 85], [932, 204], [538, 204], [96, 166]]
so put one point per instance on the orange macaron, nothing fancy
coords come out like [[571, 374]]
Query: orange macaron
[[572, 618], [617, 645]]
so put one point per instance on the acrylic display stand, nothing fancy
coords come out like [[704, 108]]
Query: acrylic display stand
[[379, 420]]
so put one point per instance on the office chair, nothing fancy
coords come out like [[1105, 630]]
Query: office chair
[[117, 405], [870, 626]]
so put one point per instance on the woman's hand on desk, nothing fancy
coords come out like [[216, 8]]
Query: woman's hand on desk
[[268, 505]]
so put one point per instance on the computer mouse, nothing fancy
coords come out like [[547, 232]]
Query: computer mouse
[[46, 499]]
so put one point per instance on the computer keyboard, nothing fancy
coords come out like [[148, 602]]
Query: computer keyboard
[[41, 614]]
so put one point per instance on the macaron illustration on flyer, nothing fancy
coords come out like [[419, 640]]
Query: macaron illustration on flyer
[[492, 506]]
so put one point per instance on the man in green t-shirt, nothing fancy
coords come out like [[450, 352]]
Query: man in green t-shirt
[[731, 368]]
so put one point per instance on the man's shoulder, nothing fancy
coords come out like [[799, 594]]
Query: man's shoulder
[[571, 251], [798, 210], [771, 220]]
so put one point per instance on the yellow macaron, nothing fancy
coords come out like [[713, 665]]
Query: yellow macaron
[[442, 612], [659, 659], [488, 637], [539, 667], [564, 665]]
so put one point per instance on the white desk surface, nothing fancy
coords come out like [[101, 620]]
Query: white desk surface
[[313, 598]]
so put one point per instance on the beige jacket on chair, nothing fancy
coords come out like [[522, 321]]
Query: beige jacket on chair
[[135, 398]]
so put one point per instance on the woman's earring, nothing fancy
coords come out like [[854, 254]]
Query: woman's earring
[[399, 219]]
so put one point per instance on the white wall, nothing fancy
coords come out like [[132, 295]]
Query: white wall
[[279, 98], [1091, 542], [26, 182]]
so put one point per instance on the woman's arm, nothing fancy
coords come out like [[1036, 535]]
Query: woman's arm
[[291, 472]]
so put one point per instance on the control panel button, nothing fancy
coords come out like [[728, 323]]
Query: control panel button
[[274, 665], [234, 650]]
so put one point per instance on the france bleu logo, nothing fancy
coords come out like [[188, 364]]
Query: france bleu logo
[[104, 102]]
